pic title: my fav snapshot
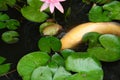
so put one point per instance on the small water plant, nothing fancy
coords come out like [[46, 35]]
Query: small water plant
[[4, 67]]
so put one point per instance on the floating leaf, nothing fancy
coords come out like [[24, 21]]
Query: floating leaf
[[10, 37], [42, 73], [31, 61], [87, 68], [4, 68], [3, 17], [114, 10], [2, 25], [104, 54], [66, 52], [97, 1], [91, 38], [44, 25], [53, 66], [49, 43], [5, 3], [33, 14], [2, 59], [92, 75], [12, 24], [109, 41], [58, 59], [109, 50], [35, 3], [96, 14], [52, 30], [61, 74]]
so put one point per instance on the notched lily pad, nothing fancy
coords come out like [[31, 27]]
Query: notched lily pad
[[91, 38], [114, 9], [31, 61], [61, 74], [97, 14], [58, 59], [10, 37], [109, 50], [12, 24], [4, 68], [42, 73], [33, 14], [49, 43], [66, 52], [86, 67], [3, 17], [5, 3]]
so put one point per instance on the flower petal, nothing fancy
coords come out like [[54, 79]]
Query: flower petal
[[59, 7], [44, 6], [52, 7], [61, 0]]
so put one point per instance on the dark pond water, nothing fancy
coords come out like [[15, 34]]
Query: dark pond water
[[29, 35]]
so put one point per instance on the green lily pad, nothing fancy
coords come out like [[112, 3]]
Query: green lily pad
[[109, 50], [10, 37], [34, 3], [61, 74], [33, 14], [92, 75], [4, 68], [49, 43], [110, 41], [44, 25], [12, 24], [114, 10], [5, 3], [2, 25], [2, 59], [30, 62], [104, 54], [42, 73], [3, 17], [96, 14], [91, 38], [53, 66], [66, 52], [88, 68], [58, 59]]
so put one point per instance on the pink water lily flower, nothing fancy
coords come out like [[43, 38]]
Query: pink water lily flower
[[52, 4]]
